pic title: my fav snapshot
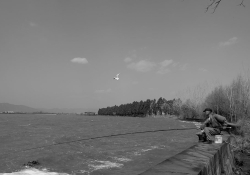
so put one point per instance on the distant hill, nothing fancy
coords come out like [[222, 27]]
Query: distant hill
[[23, 108], [69, 110], [16, 108]]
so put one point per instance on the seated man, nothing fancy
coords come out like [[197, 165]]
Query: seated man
[[213, 125]]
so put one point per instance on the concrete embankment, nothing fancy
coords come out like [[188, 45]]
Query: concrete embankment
[[200, 159]]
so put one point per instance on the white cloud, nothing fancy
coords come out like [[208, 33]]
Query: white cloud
[[175, 64], [163, 71], [163, 66], [80, 60], [103, 91], [99, 91], [165, 63], [183, 67], [142, 66], [32, 24], [128, 59], [203, 69], [229, 42], [180, 66]]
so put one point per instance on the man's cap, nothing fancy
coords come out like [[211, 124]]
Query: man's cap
[[208, 109]]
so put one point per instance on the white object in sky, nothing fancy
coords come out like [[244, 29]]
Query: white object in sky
[[116, 77]]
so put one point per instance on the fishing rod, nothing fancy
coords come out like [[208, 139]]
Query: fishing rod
[[99, 137]]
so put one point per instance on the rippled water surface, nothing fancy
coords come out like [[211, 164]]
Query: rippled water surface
[[91, 145]]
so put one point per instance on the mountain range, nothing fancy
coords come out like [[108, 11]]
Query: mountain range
[[27, 109]]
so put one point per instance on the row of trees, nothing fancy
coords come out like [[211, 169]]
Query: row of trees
[[144, 108], [231, 101]]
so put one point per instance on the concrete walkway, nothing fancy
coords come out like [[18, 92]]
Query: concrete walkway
[[200, 159]]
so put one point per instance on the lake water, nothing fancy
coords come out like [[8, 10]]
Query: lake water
[[89, 145]]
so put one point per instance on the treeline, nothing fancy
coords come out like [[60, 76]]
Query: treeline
[[144, 108], [231, 101]]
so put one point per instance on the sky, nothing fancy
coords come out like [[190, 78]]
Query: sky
[[64, 54]]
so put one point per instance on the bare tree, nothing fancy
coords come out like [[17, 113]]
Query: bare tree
[[230, 94], [193, 98], [215, 3], [196, 95], [238, 94]]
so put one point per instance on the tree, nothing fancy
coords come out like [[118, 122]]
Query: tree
[[238, 94], [140, 108], [218, 101], [215, 3], [194, 97], [159, 105], [152, 107], [146, 109], [188, 110], [177, 106]]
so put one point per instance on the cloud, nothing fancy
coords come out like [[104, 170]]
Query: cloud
[[163, 66], [183, 67], [127, 60], [79, 60], [163, 71], [203, 69], [32, 24], [229, 42], [142, 66], [103, 91], [175, 64], [165, 63], [180, 66]]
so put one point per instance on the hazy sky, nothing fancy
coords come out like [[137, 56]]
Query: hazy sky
[[65, 53]]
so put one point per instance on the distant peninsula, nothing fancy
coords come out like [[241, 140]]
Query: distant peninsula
[[26, 109]]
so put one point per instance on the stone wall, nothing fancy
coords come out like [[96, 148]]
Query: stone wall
[[200, 159]]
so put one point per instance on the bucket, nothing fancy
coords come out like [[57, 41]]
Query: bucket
[[218, 139]]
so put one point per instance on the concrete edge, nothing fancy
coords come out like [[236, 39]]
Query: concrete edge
[[200, 159]]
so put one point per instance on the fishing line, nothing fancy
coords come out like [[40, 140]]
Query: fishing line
[[99, 137]]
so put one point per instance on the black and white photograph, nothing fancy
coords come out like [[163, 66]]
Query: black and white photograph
[[124, 87]]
